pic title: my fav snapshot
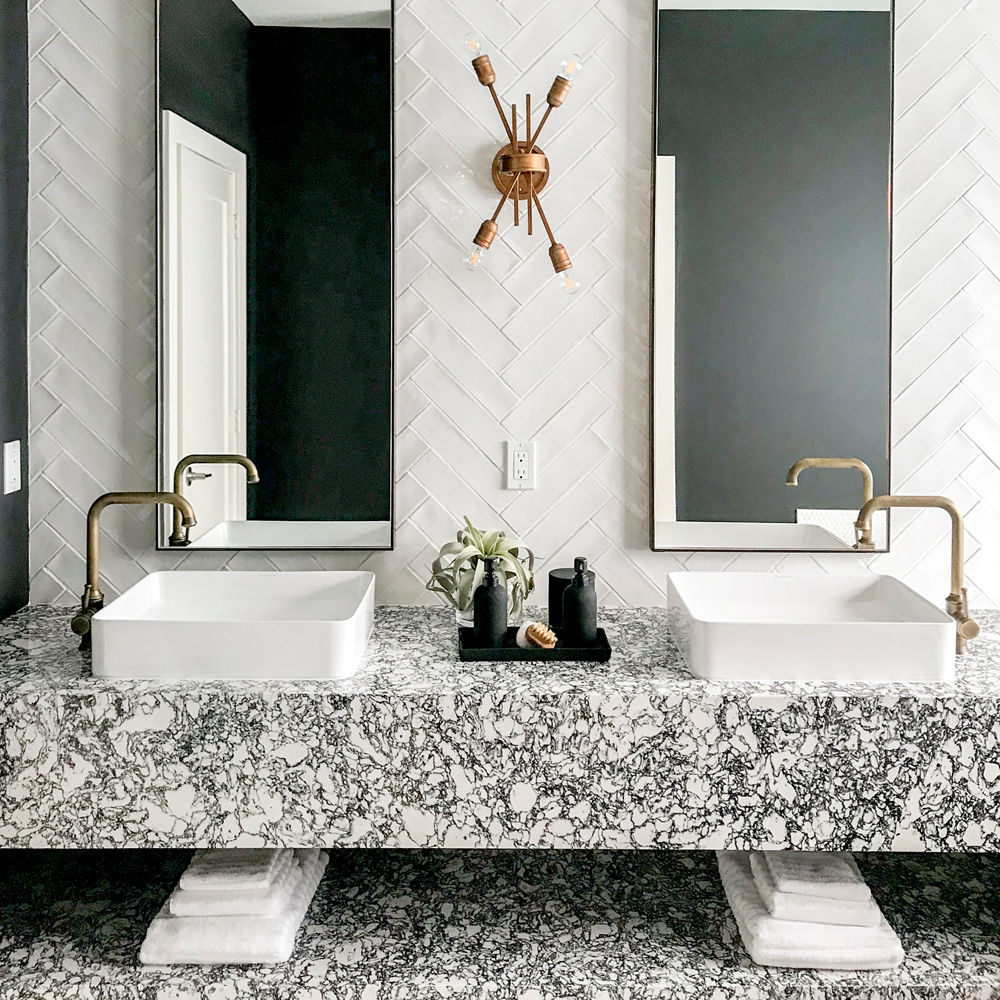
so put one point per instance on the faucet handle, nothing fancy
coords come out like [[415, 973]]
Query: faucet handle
[[81, 624], [958, 607], [190, 476], [81, 620], [967, 627]]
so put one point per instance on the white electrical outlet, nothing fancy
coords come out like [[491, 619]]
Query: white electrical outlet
[[520, 465], [11, 467]]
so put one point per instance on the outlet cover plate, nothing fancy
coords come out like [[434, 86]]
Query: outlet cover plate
[[520, 465], [11, 467]]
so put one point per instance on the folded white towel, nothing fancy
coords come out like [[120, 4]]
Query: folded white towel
[[812, 909], [813, 873], [246, 940], [232, 868], [794, 945], [237, 901]]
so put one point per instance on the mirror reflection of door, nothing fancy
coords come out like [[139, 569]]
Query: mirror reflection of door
[[204, 274], [771, 271], [276, 277]]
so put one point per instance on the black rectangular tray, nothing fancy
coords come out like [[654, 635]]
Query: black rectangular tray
[[598, 651]]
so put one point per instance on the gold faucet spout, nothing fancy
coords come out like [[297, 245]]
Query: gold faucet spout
[[868, 481], [179, 536], [93, 600], [957, 602]]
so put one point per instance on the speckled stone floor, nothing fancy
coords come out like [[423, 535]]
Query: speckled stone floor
[[488, 926]]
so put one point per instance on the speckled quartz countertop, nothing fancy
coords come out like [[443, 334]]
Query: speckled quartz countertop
[[419, 749], [482, 925]]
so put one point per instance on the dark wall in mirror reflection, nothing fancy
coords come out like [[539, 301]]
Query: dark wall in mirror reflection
[[14, 296], [311, 108], [781, 125]]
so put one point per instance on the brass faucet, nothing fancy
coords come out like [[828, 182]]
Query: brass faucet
[[834, 463], [957, 603], [180, 535], [93, 600]]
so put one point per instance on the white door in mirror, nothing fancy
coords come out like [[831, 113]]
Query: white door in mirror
[[221, 625], [766, 627], [204, 314]]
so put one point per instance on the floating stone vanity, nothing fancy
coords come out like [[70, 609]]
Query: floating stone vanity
[[420, 750]]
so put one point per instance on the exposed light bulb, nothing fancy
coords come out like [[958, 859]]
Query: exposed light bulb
[[472, 46], [475, 258], [567, 282], [571, 66]]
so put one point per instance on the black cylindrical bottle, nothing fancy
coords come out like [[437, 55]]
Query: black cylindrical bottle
[[580, 606], [489, 607], [559, 580]]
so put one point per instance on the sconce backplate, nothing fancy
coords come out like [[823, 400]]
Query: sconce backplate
[[527, 163]]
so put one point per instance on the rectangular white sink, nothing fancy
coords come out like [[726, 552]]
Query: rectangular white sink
[[736, 536], [762, 626], [296, 535], [222, 625]]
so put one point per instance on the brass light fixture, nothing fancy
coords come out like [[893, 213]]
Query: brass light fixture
[[521, 168]]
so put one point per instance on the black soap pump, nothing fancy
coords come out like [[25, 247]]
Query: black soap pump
[[489, 607], [580, 605]]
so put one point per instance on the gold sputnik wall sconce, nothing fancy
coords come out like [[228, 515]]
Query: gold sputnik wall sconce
[[521, 169]]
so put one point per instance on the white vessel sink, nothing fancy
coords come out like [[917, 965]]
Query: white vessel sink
[[221, 625], [761, 626], [733, 536]]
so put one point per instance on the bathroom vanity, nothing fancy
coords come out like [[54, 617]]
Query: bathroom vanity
[[420, 750]]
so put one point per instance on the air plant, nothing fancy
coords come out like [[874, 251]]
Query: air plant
[[459, 568]]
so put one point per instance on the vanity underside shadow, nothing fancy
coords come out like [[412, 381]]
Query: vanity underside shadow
[[474, 924]]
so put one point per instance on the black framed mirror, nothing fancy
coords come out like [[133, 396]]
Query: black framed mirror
[[275, 271], [772, 271]]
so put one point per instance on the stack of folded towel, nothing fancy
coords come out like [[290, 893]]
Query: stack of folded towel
[[235, 907], [807, 911]]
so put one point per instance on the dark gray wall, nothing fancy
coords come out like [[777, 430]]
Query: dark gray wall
[[204, 51], [781, 125], [205, 67], [321, 369], [13, 294]]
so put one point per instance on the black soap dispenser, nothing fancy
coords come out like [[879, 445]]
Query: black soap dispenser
[[489, 607], [580, 605]]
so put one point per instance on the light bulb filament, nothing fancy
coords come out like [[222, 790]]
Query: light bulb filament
[[475, 258], [568, 283], [571, 66]]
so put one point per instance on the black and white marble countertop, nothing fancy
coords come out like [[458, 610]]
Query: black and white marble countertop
[[488, 925], [419, 749]]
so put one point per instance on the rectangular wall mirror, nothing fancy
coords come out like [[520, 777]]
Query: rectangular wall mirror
[[771, 291], [275, 271]]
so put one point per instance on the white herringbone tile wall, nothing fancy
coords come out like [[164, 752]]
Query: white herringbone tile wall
[[486, 357]]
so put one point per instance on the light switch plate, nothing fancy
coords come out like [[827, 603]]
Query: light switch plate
[[520, 465], [11, 467]]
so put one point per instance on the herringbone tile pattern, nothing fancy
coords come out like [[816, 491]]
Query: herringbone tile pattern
[[502, 354]]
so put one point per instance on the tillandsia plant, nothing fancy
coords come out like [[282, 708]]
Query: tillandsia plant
[[459, 568]]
